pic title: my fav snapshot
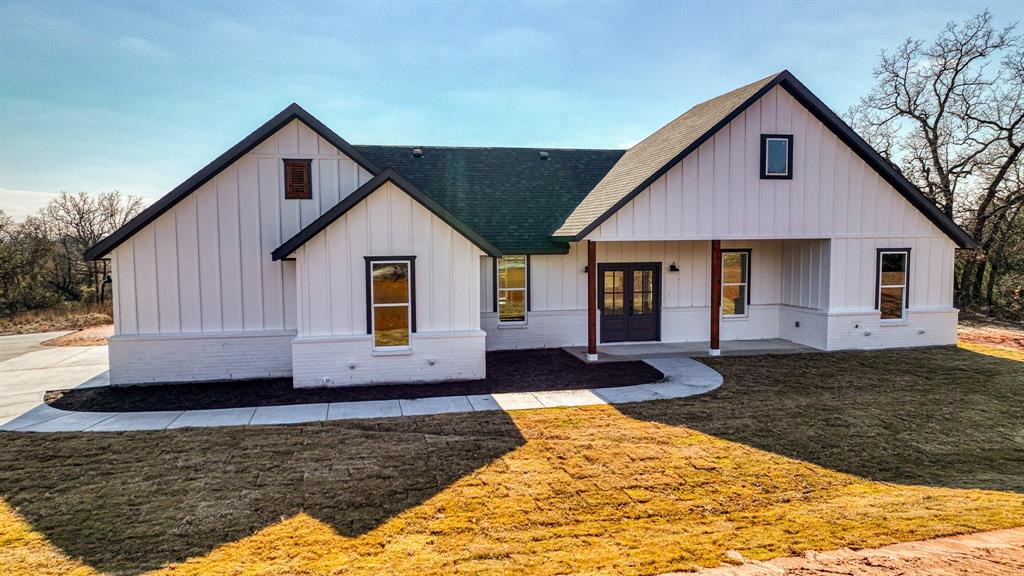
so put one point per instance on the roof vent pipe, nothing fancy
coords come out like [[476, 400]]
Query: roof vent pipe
[[544, 155], [417, 152]]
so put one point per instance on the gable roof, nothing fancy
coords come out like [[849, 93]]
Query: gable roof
[[247, 144], [648, 160], [512, 196], [387, 175]]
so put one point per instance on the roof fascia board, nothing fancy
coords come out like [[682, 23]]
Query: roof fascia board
[[286, 249], [208, 172]]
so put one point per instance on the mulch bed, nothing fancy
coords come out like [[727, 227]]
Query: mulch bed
[[507, 371]]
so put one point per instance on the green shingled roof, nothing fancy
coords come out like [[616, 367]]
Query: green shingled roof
[[511, 196]]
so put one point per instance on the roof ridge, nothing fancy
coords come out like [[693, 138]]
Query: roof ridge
[[489, 147]]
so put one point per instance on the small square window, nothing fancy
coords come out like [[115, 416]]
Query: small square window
[[297, 183], [776, 156]]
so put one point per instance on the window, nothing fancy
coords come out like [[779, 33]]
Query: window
[[297, 183], [776, 157], [391, 300], [735, 282], [511, 292], [614, 292], [893, 277]]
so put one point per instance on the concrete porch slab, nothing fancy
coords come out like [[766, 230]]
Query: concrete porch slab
[[646, 350]]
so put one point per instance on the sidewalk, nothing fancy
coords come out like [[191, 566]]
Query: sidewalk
[[59, 368]]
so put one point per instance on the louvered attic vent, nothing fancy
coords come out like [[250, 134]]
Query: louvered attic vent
[[297, 183]]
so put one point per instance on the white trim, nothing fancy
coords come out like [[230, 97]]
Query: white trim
[[767, 146]]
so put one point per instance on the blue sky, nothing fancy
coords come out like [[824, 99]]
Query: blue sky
[[137, 97]]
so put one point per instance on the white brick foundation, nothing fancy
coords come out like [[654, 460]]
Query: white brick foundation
[[350, 360], [150, 358], [862, 330]]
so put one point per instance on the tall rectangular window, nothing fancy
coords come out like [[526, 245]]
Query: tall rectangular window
[[735, 282], [776, 156], [512, 282], [893, 282], [391, 301]]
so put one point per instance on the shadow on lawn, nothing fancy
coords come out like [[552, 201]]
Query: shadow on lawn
[[131, 502], [936, 417]]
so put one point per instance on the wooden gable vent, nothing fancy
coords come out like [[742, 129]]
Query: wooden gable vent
[[297, 182]]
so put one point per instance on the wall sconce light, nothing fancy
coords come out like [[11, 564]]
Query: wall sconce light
[[673, 268], [586, 269]]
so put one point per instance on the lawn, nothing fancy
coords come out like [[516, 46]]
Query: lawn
[[792, 453]]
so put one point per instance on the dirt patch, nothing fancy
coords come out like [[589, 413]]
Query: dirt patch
[[1002, 335], [95, 336], [997, 552], [508, 371]]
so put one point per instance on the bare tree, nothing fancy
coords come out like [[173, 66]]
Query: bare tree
[[950, 114], [74, 222]]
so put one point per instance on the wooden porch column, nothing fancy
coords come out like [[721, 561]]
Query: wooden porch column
[[591, 300], [716, 295]]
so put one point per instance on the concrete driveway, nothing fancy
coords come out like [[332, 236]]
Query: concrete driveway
[[14, 346], [28, 370]]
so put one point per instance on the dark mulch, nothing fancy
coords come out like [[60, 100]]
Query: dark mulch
[[507, 371]]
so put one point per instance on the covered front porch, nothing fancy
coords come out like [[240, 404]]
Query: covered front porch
[[735, 297]]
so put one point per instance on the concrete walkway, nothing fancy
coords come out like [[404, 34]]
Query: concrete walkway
[[26, 377], [683, 377]]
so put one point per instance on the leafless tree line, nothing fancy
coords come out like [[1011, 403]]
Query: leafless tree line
[[950, 114], [41, 262]]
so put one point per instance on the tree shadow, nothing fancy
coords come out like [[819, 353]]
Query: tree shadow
[[943, 417], [131, 502]]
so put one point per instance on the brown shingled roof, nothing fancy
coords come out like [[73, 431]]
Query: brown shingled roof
[[646, 161]]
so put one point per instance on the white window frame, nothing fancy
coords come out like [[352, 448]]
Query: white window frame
[[525, 290], [905, 285], [746, 274], [409, 303]]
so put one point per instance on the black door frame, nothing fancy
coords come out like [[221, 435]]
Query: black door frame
[[628, 268]]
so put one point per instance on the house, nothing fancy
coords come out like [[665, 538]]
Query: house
[[757, 214]]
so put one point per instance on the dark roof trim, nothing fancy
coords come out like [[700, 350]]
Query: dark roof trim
[[154, 211], [846, 134], [388, 174]]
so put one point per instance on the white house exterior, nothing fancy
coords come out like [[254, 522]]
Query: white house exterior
[[298, 254]]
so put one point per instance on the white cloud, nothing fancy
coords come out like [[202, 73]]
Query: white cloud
[[19, 204]]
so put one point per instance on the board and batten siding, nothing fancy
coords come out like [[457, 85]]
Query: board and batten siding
[[716, 191], [389, 222], [204, 266], [333, 348]]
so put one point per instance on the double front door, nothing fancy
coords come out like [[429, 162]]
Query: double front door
[[629, 298]]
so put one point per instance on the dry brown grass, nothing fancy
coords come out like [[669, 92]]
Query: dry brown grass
[[68, 317], [793, 453]]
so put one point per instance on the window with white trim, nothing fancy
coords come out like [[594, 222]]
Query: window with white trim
[[735, 283], [391, 301], [511, 292], [893, 282]]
